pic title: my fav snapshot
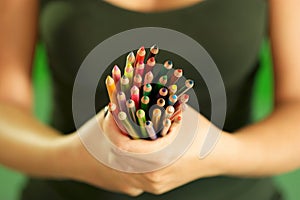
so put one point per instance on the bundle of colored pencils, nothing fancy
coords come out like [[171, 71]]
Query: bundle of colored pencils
[[145, 101]]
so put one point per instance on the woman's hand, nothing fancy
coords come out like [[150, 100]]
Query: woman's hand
[[78, 164], [187, 168]]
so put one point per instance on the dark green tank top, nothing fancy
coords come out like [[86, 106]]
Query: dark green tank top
[[230, 30]]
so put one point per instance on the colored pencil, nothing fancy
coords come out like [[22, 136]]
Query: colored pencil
[[161, 82], [153, 51], [140, 55], [156, 118], [172, 99], [145, 100], [182, 100], [188, 85], [130, 58], [128, 72], [124, 84], [147, 89], [165, 68], [166, 126], [137, 80], [179, 110], [178, 119], [129, 128], [177, 74], [139, 69], [148, 77], [169, 112], [161, 102], [111, 89], [131, 109], [150, 64], [150, 130], [135, 96], [116, 74], [114, 111], [163, 92], [140, 114], [122, 101]]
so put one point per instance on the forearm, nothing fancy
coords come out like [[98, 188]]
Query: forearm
[[272, 146], [268, 147], [27, 145]]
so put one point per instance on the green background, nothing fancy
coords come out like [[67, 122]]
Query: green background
[[11, 182]]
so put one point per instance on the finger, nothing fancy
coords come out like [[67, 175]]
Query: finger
[[134, 192]]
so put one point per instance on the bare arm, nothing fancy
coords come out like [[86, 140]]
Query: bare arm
[[26, 144], [272, 146], [17, 40]]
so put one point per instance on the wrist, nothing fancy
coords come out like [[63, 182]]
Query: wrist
[[64, 153], [235, 156], [73, 161], [227, 151], [222, 158]]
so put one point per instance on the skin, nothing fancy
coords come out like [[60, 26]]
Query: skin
[[41, 151]]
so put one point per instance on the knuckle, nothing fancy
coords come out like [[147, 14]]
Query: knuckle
[[154, 177], [121, 145]]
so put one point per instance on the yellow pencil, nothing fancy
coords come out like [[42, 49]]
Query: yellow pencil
[[111, 89]]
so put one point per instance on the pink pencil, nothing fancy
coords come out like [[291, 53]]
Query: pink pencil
[[177, 74], [140, 68], [148, 78], [137, 80], [116, 74], [182, 100], [150, 64], [135, 96]]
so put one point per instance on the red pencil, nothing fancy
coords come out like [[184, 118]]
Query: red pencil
[[140, 55]]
